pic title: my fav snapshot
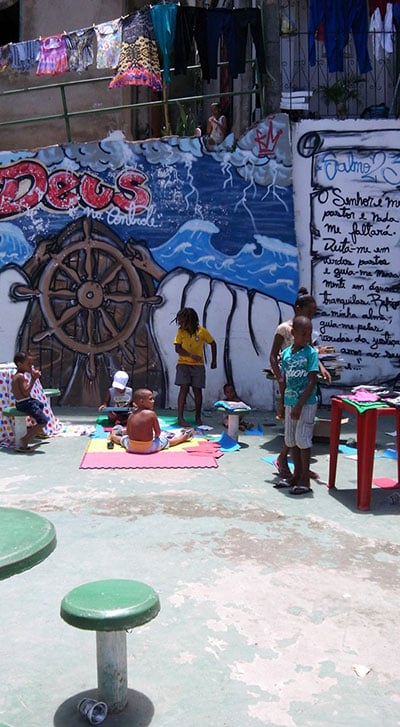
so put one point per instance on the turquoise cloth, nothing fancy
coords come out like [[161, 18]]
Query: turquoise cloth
[[227, 406], [164, 23]]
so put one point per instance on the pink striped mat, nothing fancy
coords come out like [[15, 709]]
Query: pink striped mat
[[196, 454]]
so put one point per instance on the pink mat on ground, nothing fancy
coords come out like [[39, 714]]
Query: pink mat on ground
[[203, 455], [124, 460], [386, 482]]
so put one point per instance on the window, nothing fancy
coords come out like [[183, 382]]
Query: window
[[9, 22]]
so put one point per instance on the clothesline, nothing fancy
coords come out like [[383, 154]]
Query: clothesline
[[133, 44]]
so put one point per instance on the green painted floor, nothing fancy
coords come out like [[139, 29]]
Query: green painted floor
[[272, 606]]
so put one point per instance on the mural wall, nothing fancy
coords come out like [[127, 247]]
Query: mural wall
[[347, 201], [102, 243]]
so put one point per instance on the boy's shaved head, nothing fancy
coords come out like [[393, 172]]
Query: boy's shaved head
[[301, 322], [140, 394]]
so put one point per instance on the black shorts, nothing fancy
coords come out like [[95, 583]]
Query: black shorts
[[187, 375]]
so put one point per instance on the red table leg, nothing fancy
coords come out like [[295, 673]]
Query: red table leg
[[366, 439], [336, 421], [398, 444]]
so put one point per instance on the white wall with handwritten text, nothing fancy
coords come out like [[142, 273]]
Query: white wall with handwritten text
[[347, 211]]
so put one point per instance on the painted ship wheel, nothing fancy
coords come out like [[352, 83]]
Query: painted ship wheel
[[90, 296]]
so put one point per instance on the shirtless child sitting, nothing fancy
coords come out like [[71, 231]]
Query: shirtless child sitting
[[24, 401], [143, 434]]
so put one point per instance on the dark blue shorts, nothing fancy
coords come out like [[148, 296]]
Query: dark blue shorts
[[33, 408]]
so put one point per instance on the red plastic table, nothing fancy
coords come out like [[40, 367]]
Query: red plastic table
[[366, 440]]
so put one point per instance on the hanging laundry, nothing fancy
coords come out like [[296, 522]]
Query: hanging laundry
[[382, 29], [108, 37], [164, 22], [287, 26], [80, 49], [190, 24], [248, 19], [339, 18], [24, 55], [381, 4], [53, 58], [396, 16], [4, 57], [220, 24], [138, 64]]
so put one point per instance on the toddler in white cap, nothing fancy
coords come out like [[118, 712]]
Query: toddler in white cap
[[118, 396]]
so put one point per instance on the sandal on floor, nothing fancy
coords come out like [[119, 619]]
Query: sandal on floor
[[281, 470], [281, 484], [23, 450], [300, 490]]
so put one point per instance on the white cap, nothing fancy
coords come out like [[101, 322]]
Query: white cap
[[120, 380]]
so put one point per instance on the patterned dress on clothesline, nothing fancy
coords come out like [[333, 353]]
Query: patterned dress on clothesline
[[80, 49], [108, 43], [139, 63], [53, 58]]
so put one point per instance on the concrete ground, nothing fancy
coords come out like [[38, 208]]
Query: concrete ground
[[272, 607]]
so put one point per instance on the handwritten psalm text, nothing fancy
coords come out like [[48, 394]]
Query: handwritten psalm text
[[355, 247]]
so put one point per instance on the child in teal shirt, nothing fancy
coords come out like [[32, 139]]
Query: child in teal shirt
[[299, 368]]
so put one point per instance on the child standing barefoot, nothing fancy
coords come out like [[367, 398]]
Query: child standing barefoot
[[300, 368], [190, 370]]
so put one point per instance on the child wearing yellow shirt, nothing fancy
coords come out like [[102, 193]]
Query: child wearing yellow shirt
[[190, 370]]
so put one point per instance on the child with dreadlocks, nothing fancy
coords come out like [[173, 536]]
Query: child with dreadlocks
[[190, 370]]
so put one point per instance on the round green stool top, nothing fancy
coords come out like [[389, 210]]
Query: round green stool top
[[111, 605], [26, 539], [51, 392]]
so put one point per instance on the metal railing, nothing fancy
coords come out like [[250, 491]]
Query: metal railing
[[255, 90]]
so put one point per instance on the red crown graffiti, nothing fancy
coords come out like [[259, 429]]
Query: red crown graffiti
[[267, 142]]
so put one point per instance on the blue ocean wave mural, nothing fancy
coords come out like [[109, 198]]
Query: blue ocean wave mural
[[265, 264], [228, 213]]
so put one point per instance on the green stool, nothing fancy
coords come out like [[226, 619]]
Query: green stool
[[110, 608]]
